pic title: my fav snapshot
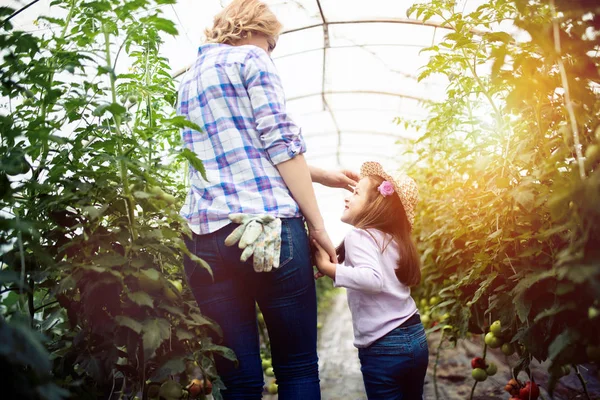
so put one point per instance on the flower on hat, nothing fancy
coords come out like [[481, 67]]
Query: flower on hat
[[386, 188]]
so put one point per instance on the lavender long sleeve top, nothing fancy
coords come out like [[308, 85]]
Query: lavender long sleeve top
[[378, 302]]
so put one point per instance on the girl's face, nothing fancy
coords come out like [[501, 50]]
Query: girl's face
[[356, 203]]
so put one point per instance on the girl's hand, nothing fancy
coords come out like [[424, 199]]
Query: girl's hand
[[324, 264], [322, 238]]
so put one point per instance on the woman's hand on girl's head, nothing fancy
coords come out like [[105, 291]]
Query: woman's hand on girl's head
[[344, 179]]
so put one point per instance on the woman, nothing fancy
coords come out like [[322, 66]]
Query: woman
[[253, 155]]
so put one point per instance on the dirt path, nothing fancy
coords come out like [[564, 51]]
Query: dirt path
[[339, 367]]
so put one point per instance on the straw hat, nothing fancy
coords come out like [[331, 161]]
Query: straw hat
[[404, 186]]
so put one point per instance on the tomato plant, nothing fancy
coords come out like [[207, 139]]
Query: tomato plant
[[90, 186], [509, 222]]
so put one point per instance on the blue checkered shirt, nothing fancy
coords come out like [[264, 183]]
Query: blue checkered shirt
[[235, 95]]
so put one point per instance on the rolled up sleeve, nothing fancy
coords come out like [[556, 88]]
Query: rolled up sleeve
[[281, 137]]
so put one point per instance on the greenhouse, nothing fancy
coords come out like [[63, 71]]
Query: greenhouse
[[474, 124]]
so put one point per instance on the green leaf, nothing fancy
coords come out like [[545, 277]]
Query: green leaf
[[172, 367], [130, 323], [498, 37], [110, 260], [182, 122], [555, 309], [22, 346], [93, 212], [483, 287], [155, 332], [142, 195], [194, 161], [183, 334], [222, 351], [525, 198], [561, 342], [141, 299]]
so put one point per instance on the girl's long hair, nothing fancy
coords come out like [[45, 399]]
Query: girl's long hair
[[387, 215], [242, 18]]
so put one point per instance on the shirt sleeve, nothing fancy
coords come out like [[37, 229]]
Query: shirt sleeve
[[363, 269], [281, 137]]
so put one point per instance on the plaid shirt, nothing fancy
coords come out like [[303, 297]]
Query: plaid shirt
[[235, 95]]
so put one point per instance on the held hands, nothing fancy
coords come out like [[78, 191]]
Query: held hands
[[323, 261]]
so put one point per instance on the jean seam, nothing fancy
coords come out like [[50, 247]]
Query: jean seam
[[290, 241]]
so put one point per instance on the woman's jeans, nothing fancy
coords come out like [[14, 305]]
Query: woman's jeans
[[286, 296], [394, 366]]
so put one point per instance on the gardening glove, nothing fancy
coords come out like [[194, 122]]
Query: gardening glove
[[258, 236]]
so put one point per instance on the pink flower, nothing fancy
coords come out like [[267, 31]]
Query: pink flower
[[386, 188]]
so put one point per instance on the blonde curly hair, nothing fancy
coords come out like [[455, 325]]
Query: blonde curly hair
[[240, 19]]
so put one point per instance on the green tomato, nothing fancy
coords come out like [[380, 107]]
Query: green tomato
[[479, 374], [425, 319], [492, 341], [496, 328], [434, 300], [266, 364], [593, 352], [491, 369], [423, 302], [177, 284], [508, 349], [170, 390], [272, 388], [269, 371]]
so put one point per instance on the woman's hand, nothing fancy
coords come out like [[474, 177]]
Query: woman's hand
[[322, 238], [344, 179], [324, 264]]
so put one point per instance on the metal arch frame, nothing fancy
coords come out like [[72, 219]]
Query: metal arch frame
[[405, 21], [363, 132], [375, 92], [326, 45]]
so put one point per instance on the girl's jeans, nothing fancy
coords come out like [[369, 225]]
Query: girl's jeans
[[394, 366], [286, 296]]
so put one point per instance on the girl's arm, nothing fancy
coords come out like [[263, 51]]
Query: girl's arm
[[362, 252]]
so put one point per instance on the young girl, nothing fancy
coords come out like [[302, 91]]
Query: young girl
[[381, 264]]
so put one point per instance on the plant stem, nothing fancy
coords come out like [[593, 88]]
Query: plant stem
[[117, 118], [45, 305], [30, 302], [568, 102], [437, 358], [473, 390], [582, 380]]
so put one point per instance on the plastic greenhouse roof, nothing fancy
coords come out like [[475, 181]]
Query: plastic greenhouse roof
[[348, 68]]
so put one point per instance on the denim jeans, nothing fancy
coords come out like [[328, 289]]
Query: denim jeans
[[287, 299], [394, 366]]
